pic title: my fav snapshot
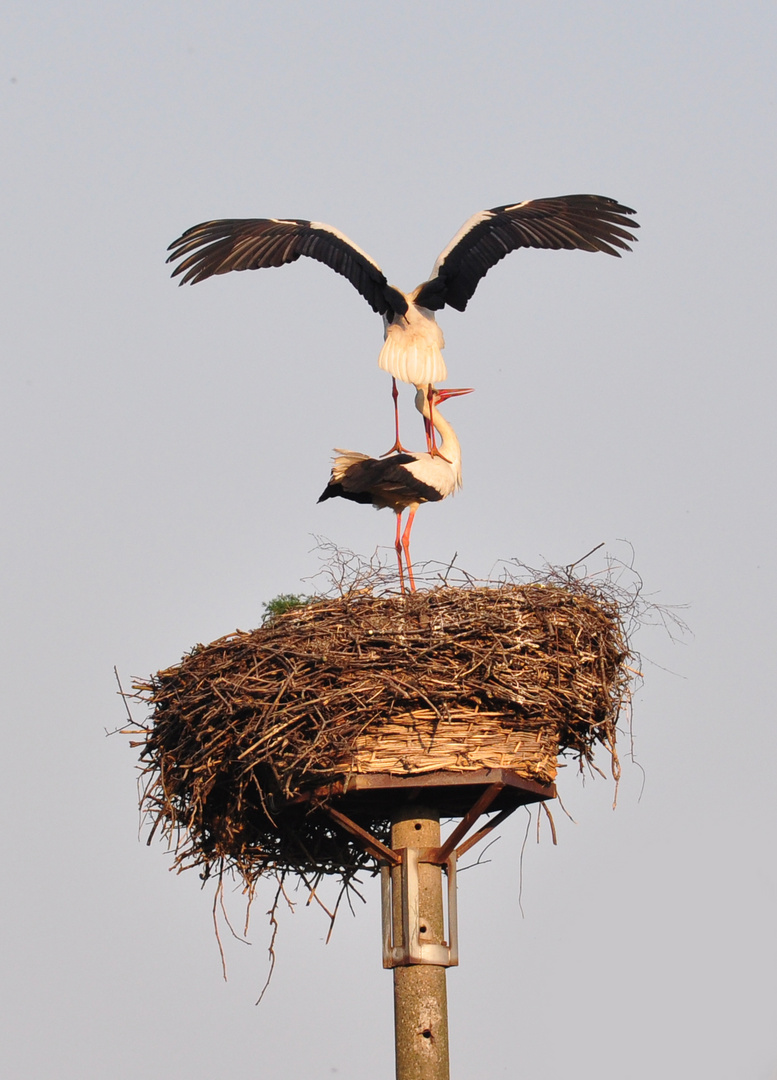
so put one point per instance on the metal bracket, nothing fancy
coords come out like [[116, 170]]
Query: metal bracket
[[414, 949], [399, 870]]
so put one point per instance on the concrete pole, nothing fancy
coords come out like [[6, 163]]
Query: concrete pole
[[420, 997]]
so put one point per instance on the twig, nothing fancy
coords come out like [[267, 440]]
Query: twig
[[216, 897], [123, 696], [572, 566], [271, 947], [520, 863]]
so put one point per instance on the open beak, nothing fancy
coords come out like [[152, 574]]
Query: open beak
[[443, 395]]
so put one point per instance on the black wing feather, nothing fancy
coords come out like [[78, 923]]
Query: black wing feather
[[383, 482], [217, 247], [582, 222]]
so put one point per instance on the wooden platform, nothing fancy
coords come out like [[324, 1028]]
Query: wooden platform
[[376, 795]]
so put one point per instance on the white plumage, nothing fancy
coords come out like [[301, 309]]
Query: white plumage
[[412, 348]]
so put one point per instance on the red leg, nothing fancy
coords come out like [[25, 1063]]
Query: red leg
[[398, 546], [406, 546], [397, 448]]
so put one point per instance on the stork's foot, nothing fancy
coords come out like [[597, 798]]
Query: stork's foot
[[434, 452], [397, 448]]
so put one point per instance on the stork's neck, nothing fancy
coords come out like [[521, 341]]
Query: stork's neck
[[449, 444]]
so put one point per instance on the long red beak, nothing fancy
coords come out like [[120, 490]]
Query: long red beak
[[443, 395]]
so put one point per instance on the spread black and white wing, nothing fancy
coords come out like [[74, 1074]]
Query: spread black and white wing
[[582, 222], [217, 247]]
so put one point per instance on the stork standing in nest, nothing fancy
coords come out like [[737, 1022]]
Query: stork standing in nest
[[404, 480], [412, 349]]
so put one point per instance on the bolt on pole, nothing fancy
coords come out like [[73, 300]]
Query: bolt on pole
[[420, 996]]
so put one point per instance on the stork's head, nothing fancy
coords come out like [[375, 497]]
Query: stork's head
[[437, 396]]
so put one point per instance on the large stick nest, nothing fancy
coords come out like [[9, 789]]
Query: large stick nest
[[242, 728]]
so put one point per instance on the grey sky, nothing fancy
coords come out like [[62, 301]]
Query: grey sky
[[165, 447]]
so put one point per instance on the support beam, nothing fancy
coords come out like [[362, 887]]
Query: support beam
[[487, 828], [370, 842], [469, 819]]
